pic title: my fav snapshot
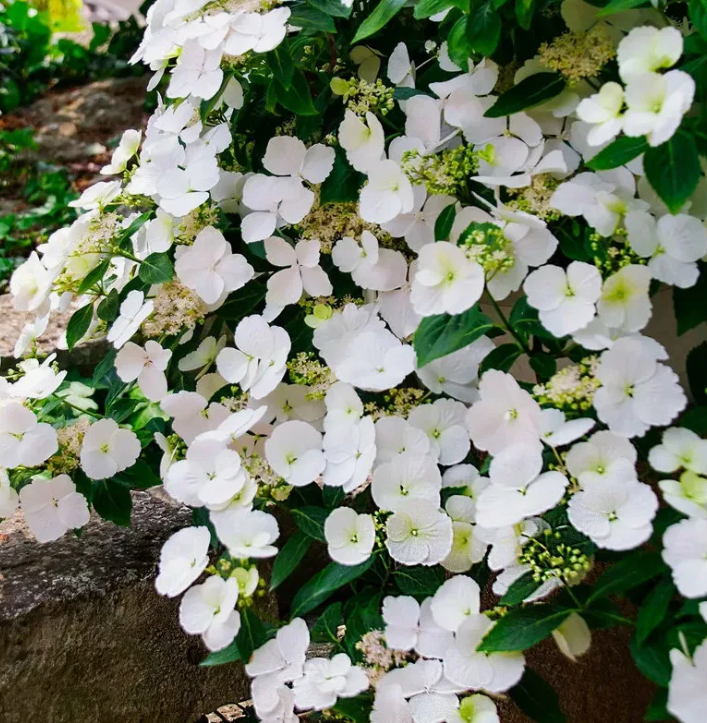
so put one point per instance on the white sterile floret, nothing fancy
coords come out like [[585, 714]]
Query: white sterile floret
[[31, 284], [445, 281], [107, 449], [146, 365], [470, 668], [476, 708], [444, 423], [625, 302], [417, 225], [23, 440], [419, 534], [558, 432], [468, 548], [197, 73], [325, 681], [603, 111], [247, 533], [455, 601], [283, 656], [126, 149], [259, 360], [203, 356], [51, 507], [409, 625], [673, 245], [573, 637], [362, 141], [208, 610], [343, 406], [614, 515], [680, 448], [301, 271], [182, 560], [637, 392], [259, 32], [133, 311], [387, 193], [408, 476], [350, 450], [455, 373], [371, 267], [656, 104], [604, 456], [505, 414], [288, 156], [292, 401], [294, 451], [687, 692], [395, 436], [210, 268], [349, 536], [647, 49], [565, 298], [685, 552], [9, 499], [687, 494], [192, 414], [210, 475], [518, 488]]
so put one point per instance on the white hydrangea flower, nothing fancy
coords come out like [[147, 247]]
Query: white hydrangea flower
[[325, 681], [30, 285], [9, 499], [411, 626], [418, 225], [625, 303], [685, 551], [603, 111], [443, 422], [518, 489], [687, 694], [604, 456], [647, 49], [679, 448], [615, 516], [203, 356], [51, 507], [247, 533], [183, 558], [468, 548], [146, 365], [687, 495], [208, 610], [294, 451], [23, 440], [419, 534], [133, 311], [125, 150], [371, 267], [198, 72], [349, 535], [350, 450], [445, 281], [259, 32], [343, 406], [364, 142], [573, 636], [637, 392], [387, 193], [558, 432], [301, 271], [408, 476], [505, 414], [455, 601], [192, 414], [395, 436], [673, 245], [107, 449]]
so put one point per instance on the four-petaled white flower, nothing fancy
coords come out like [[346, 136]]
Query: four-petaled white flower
[[107, 449], [301, 273], [294, 451], [183, 558], [324, 681], [208, 610], [370, 267], [247, 533], [133, 311], [349, 535], [145, 364], [363, 142], [23, 440], [685, 552], [409, 625], [387, 193], [419, 534], [687, 694]]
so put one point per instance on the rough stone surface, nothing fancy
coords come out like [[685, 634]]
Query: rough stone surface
[[84, 636]]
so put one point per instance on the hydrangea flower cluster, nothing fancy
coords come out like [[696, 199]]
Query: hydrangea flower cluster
[[299, 267]]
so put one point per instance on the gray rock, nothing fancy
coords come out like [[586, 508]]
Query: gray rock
[[85, 637]]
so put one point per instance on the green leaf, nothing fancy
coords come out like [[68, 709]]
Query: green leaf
[[698, 16], [242, 303], [444, 223], [343, 183], [689, 304], [315, 591], [297, 98], [157, 269], [458, 45], [78, 325], [310, 520], [324, 630], [443, 334], [697, 372], [407, 93], [519, 590], [618, 6], [105, 366], [356, 709], [289, 557], [696, 420], [572, 243], [139, 477], [658, 710], [522, 628], [632, 570], [537, 698], [383, 13], [112, 501], [543, 365], [108, 309], [229, 654], [311, 20], [418, 581], [428, 8], [332, 7], [524, 320], [483, 29], [281, 63], [502, 357], [252, 635], [530, 92], [673, 169], [653, 610], [618, 153], [524, 13], [333, 496], [362, 615], [653, 660], [94, 276]]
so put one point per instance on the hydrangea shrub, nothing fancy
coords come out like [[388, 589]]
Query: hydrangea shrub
[[299, 267]]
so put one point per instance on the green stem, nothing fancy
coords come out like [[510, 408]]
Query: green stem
[[521, 342]]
